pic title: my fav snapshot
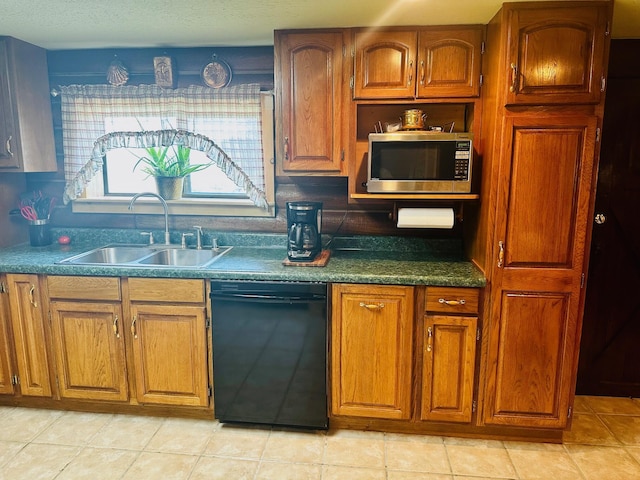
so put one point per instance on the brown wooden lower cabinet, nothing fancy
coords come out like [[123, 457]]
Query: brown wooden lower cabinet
[[113, 336], [6, 344], [372, 350], [27, 326]]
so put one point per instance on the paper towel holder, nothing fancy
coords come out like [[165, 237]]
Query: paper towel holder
[[457, 208]]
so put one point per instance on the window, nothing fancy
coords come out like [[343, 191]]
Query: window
[[101, 148]]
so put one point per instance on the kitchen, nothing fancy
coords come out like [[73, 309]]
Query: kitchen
[[358, 219]]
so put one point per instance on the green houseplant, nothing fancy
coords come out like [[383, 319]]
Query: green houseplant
[[169, 165]]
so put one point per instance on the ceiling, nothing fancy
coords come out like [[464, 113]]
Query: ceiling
[[71, 24]]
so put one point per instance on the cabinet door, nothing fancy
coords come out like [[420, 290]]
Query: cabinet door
[[372, 351], [7, 158], [311, 106], [449, 351], [556, 55], [89, 350], [27, 326], [6, 345], [170, 354], [26, 125], [449, 62], [541, 230], [385, 64]]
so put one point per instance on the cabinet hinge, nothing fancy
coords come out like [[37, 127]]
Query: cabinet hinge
[[582, 281], [474, 406], [15, 380], [607, 30], [598, 135], [481, 79], [209, 392], [569, 412], [3, 288], [603, 83], [482, 48], [57, 382], [478, 334], [49, 316], [353, 52], [351, 81], [207, 323], [342, 156]]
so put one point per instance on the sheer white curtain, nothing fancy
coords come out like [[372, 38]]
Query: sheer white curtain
[[230, 118]]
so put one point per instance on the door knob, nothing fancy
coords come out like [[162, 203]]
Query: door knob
[[600, 218]]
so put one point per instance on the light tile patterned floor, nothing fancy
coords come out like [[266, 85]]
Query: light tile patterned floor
[[42, 444]]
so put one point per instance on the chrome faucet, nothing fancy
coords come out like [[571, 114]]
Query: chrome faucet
[[198, 237], [164, 206]]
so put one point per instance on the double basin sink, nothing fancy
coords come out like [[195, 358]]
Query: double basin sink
[[148, 256]]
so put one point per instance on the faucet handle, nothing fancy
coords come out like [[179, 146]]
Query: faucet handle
[[183, 243], [150, 235], [198, 236]]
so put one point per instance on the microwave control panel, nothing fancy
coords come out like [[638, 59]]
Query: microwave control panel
[[462, 160]]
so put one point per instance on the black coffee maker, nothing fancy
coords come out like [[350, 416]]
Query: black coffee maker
[[304, 222]]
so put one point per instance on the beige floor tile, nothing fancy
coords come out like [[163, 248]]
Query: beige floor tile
[[8, 450], [177, 435], [465, 477], [355, 452], [335, 472], [398, 475], [540, 461], [588, 429], [24, 424], [625, 428], [239, 444], [489, 460], [294, 447], [38, 462], [635, 452], [214, 468], [409, 437], [98, 464], [288, 471], [127, 432], [167, 466], [581, 405], [364, 434], [618, 405], [601, 462], [417, 456], [73, 428]]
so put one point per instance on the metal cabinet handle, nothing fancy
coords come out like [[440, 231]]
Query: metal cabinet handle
[[429, 338], [600, 218], [514, 78], [372, 306], [133, 327], [452, 303], [32, 297], [115, 327], [8, 144], [286, 148], [422, 72], [501, 254], [410, 73]]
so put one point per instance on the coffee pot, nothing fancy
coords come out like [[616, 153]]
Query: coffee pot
[[304, 222]]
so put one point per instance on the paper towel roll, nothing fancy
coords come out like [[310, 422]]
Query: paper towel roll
[[425, 218]]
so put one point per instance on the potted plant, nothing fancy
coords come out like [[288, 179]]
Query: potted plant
[[169, 166]]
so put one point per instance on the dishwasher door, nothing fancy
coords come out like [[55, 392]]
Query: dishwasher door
[[270, 353]]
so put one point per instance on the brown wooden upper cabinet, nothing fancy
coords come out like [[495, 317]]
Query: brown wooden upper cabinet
[[311, 102], [556, 54], [433, 62], [26, 125]]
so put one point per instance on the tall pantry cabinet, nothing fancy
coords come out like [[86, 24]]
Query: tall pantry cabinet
[[545, 66]]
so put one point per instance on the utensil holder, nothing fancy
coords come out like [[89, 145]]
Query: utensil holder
[[39, 232]]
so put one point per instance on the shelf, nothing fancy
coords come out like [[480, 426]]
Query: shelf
[[415, 196]]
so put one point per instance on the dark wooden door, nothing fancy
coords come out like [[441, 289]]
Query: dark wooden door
[[609, 356]]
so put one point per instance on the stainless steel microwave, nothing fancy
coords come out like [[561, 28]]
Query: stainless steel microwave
[[419, 162]]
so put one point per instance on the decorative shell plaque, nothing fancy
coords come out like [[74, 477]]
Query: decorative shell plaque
[[117, 73]]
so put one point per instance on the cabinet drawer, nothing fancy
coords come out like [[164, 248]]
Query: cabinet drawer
[[166, 290], [85, 288], [452, 299]]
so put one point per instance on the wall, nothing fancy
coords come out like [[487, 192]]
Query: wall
[[248, 64]]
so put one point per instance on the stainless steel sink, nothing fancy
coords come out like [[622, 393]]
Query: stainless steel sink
[[147, 256], [174, 257]]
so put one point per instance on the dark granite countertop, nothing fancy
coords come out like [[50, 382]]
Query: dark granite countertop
[[379, 260]]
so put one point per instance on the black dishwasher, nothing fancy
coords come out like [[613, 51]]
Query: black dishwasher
[[270, 352]]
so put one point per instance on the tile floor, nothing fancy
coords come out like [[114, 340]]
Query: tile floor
[[42, 444]]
